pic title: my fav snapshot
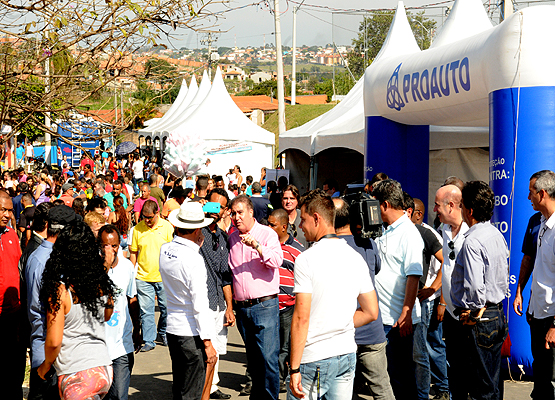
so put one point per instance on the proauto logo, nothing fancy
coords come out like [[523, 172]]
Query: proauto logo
[[444, 80]]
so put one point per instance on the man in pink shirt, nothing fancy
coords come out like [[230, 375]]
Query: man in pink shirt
[[145, 195], [255, 256]]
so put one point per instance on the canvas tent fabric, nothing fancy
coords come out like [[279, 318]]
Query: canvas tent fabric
[[195, 100], [230, 136], [173, 109]]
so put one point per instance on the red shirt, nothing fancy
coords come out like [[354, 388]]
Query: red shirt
[[68, 200], [9, 271], [87, 161]]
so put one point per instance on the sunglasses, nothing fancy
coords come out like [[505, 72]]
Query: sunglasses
[[451, 245]]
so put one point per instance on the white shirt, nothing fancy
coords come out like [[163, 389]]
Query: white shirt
[[334, 274], [138, 169], [119, 329], [449, 262], [401, 247], [542, 297], [131, 191], [435, 266], [29, 150], [184, 276]]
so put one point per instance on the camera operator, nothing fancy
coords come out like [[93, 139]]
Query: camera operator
[[371, 367]]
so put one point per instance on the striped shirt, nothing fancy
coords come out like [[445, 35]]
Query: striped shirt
[[291, 249]]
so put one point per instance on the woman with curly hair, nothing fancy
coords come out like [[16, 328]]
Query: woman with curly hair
[[78, 297]]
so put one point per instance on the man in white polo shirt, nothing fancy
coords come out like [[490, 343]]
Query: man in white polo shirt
[[541, 309], [400, 249], [190, 325], [323, 348]]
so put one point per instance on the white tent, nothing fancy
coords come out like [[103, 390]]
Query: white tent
[[332, 146], [231, 137], [195, 100], [172, 110]]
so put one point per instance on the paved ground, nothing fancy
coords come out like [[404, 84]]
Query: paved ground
[[152, 377], [152, 374]]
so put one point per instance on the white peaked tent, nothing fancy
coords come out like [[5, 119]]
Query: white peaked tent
[[231, 137], [186, 111], [172, 110], [332, 146]]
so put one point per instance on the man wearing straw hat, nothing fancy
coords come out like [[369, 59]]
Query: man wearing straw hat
[[190, 326]]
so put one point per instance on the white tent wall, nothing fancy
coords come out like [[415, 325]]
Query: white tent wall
[[250, 161], [469, 164]]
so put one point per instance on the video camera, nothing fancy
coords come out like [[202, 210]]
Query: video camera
[[364, 212]]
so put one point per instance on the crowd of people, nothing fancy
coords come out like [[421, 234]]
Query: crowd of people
[[88, 253]]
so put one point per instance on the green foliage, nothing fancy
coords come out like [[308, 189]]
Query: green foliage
[[372, 38], [343, 83]]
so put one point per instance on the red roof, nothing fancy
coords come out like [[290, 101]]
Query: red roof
[[259, 102], [312, 99]]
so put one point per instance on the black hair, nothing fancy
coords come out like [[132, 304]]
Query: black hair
[[219, 191], [78, 206], [478, 197], [389, 190], [95, 202], [342, 216], [408, 201], [108, 228], [40, 218], [76, 261]]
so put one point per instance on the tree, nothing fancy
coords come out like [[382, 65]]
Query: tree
[[65, 52], [377, 27]]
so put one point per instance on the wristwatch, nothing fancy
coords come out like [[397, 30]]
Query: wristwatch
[[294, 370]]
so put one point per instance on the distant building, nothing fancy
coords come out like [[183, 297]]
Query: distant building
[[312, 99], [259, 77]]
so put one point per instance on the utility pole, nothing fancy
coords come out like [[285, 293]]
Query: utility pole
[[115, 102], [47, 120], [279, 58], [506, 9], [208, 42], [294, 66]]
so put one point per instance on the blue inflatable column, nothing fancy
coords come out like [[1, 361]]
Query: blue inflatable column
[[522, 126], [401, 151]]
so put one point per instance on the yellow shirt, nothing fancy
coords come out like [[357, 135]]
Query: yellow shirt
[[148, 241]]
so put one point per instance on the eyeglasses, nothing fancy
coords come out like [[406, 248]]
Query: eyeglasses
[[540, 236], [149, 218], [451, 245]]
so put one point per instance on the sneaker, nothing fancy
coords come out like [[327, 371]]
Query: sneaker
[[147, 347], [442, 396], [162, 339]]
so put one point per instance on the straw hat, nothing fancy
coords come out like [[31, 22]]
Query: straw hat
[[189, 216]]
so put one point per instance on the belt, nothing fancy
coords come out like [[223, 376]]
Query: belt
[[498, 306], [252, 302]]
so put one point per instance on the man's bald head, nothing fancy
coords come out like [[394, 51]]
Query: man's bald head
[[342, 219], [448, 205], [450, 193]]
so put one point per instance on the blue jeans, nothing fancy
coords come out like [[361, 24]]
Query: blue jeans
[[331, 378], [437, 351], [146, 293], [122, 366], [259, 327], [480, 358], [400, 363]]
